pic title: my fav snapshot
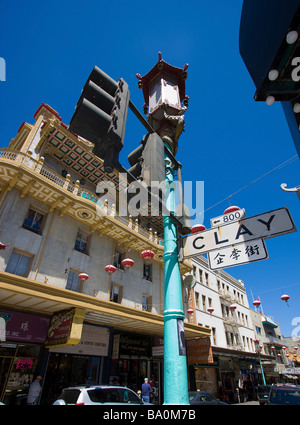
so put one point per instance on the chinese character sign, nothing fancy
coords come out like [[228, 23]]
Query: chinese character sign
[[242, 253]]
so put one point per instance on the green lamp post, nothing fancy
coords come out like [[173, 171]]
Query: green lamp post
[[164, 93]]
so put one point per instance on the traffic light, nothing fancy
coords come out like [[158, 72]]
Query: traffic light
[[147, 161], [101, 114]]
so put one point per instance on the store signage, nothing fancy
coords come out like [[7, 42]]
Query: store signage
[[199, 351], [65, 327], [135, 345], [94, 342], [24, 364], [24, 327]]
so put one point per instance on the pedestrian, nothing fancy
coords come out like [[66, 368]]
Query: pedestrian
[[34, 391], [146, 391]]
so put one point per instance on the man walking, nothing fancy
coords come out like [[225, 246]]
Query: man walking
[[146, 390], [34, 391]]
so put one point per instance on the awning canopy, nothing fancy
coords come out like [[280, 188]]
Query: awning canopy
[[29, 295]]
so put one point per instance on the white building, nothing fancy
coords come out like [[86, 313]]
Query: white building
[[50, 217], [221, 304]]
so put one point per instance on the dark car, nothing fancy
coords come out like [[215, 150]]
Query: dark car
[[202, 397], [284, 394], [262, 393]]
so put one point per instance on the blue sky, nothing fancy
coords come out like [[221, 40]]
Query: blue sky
[[229, 139]]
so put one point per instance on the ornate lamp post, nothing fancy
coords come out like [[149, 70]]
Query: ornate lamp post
[[164, 93]]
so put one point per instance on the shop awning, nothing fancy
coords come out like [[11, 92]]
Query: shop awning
[[29, 295]]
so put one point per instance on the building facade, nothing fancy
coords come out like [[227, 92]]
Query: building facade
[[283, 364], [54, 227], [221, 304]]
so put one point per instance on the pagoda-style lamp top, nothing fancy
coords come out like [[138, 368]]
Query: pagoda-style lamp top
[[164, 93]]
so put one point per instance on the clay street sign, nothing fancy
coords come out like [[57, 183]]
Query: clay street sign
[[267, 225]]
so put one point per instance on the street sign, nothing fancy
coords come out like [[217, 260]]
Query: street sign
[[234, 255], [227, 218], [267, 225]]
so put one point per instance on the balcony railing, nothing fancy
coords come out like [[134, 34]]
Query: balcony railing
[[38, 167]]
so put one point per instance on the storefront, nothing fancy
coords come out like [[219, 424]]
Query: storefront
[[250, 378], [82, 364], [21, 353], [132, 361], [203, 366]]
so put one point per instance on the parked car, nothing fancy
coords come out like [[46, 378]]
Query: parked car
[[98, 394], [263, 393], [284, 394], [203, 397]]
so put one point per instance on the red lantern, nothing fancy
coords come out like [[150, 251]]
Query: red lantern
[[147, 256], [190, 311], [278, 355], [127, 263], [83, 276], [256, 303], [210, 309], [231, 209], [287, 355], [284, 347], [285, 297], [232, 307], [256, 340], [295, 355], [295, 348], [198, 228], [272, 348], [110, 269]]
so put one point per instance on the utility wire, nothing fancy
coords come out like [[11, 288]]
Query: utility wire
[[283, 164]]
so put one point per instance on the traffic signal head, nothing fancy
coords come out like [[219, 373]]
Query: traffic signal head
[[147, 161], [101, 114]]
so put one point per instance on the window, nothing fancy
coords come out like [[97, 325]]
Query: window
[[18, 264], [118, 257], [73, 282], [81, 242], [204, 302], [33, 221], [209, 302], [197, 299], [146, 303], [214, 336], [201, 276], [147, 274], [115, 293], [206, 279], [194, 271]]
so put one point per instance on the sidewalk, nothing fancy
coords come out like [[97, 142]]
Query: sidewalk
[[247, 403]]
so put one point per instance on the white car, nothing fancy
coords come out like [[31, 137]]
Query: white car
[[98, 394]]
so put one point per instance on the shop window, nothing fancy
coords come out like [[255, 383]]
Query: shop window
[[146, 303], [19, 264], [81, 243], [116, 293], [34, 221], [73, 282], [147, 273]]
